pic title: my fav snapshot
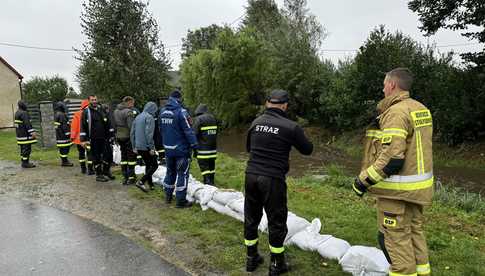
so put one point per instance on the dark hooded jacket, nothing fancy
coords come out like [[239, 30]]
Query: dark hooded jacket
[[176, 129], [205, 129], [143, 128], [23, 126], [123, 118], [95, 124], [61, 124]]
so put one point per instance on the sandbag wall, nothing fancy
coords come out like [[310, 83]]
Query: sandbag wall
[[358, 260]]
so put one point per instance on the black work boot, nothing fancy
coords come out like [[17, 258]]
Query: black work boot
[[211, 179], [168, 199], [27, 165], [99, 175], [131, 181], [140, 185], [107, 171], [183, 204], [278, 264], [253, 259], [66, 163], [83, 168], [90, 169]]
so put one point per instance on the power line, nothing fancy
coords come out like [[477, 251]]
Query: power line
[[35, 47], [8, 44]]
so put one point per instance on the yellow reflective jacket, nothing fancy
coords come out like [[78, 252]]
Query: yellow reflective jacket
[[398, 158]]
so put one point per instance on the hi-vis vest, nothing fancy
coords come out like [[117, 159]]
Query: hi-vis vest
[[398, 154]]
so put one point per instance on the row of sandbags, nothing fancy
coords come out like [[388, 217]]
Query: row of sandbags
[[358, 260]]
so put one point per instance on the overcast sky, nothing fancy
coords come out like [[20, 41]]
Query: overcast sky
[[56, 24]]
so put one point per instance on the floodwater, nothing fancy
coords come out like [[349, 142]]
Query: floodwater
[[234, 144]]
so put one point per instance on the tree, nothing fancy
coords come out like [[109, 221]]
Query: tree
[[123, 54], [46, 89], [202, 38], [467, 15]]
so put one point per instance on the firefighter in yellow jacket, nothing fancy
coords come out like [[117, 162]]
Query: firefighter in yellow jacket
[[398, 169]]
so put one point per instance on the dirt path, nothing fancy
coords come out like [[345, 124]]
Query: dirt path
[[108, 204]]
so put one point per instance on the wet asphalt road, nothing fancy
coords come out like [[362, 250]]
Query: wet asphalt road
[[40, 240]]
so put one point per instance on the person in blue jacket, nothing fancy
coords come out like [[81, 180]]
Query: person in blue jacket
[[179, 141]]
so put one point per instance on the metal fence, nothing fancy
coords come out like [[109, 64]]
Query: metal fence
[[72, 107], [35, 117]]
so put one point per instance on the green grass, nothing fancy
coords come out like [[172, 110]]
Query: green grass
[[11, 151], [455, 232]]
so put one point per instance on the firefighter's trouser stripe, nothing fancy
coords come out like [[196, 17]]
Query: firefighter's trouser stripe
[[276, 250], [206, 156], [250, 242], [207, 172]]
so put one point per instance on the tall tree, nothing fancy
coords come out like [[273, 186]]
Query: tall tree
[[46, 89], [202, 38], [466, 15], [123, 54]]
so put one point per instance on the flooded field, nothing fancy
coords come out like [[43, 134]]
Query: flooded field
[[234, 144]]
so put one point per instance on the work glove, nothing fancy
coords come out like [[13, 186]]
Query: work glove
[[135, 151], [359, 188]]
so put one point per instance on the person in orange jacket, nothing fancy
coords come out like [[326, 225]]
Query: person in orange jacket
[[75, 131]]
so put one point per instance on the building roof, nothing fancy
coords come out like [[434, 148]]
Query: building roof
[[11, 68]]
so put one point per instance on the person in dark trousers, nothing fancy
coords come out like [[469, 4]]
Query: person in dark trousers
[[269, 143], [157, 136], [96, 132], [205, 128], [179, 141], [84, 162], [26, 134], [108, 148], [123, 118], [142, 140], [63, 133]]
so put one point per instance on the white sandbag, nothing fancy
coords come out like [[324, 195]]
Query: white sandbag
[[309, 239], [222, 209], [192, 188], [263, 224], [333, 248], [139, 169], [204, 195], [365, 261], [295, 224], [237, 205], [224, 197], [116, 154]]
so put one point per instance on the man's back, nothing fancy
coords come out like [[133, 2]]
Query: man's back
[[269, 142]]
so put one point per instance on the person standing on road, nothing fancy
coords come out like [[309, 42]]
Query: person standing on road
[[179, 141], [398, 169], [123, 121], [269, 143], [26, 134], [63, 133], [142, 140], [96, 132], [85, 162], [205, 128]]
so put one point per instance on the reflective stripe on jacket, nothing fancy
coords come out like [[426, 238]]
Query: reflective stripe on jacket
[[23, 128]]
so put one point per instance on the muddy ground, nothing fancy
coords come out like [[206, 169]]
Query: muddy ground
[[107, 203]]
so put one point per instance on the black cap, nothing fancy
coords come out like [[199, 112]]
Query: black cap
[[278, 96], [176, 94]]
